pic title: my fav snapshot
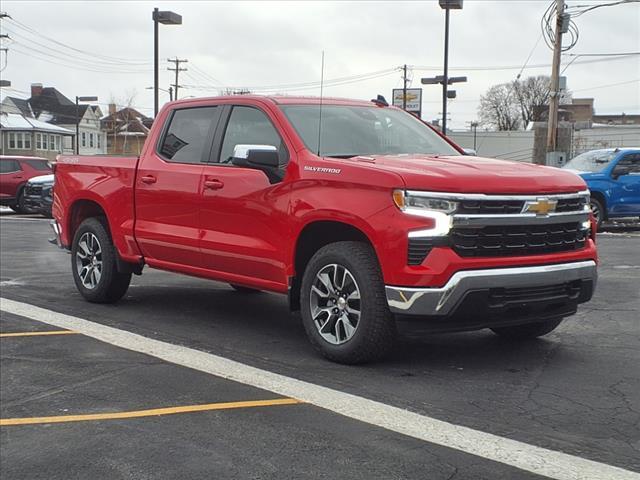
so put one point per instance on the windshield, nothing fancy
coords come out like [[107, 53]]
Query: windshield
[[594, 161], [348, 131]]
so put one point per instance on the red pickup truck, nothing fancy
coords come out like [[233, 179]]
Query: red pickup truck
[[358, 211]]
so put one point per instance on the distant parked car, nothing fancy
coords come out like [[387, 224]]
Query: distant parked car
[[38, 195], [613, 177], [15, 172]]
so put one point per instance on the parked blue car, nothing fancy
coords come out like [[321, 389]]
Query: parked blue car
[[613, 177]]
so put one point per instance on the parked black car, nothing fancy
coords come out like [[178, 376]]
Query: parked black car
[[38, 195]]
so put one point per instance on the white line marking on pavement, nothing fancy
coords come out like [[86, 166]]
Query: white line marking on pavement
[[541, 461]]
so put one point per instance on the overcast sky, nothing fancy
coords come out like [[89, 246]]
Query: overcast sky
[[247, 44]]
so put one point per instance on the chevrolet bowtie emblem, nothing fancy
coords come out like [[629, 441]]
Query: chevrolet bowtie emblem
[[541, 206]]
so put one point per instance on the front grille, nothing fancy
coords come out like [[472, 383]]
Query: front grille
[[502, 296], [480, 207], [571, 204], [512, 240], [33, 189], [419, 248]]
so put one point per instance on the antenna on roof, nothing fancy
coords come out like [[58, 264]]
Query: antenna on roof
[[321, 91]]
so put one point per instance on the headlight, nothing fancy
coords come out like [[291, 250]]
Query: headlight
[[437, 209], [415, 203]]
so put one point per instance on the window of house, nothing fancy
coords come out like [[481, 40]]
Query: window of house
[[52, 145], [84, 139], [58, 138], [38, 141], [91, 140], [27, 141], [19, 142], [12, 140], [98, 138], [188, 136]]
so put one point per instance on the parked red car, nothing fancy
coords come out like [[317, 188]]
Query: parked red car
[[15, 171], [358, 211]]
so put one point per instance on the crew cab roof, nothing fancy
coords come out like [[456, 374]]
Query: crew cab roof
[[287, 100]]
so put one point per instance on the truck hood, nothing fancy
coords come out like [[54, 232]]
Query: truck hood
[[42, 179], [466, 174]]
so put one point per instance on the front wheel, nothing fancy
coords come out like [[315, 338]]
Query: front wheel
[[598, 211], [344, 307], [94, 265], [529, 330]]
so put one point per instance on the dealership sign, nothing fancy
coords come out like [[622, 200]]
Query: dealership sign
[[413, 99]]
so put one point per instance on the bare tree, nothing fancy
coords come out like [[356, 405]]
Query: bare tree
[[532, 95], [498, 108]]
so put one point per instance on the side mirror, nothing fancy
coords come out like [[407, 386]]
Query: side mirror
[[258, 157], [470, 151]]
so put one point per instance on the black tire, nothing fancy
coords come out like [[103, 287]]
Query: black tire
[[375, 330], [241, 289], [19, 207], [529, 330], [598, 211], [112, 285]]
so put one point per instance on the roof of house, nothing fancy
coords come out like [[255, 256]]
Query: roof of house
[[18, 122], [22, 105], [127, 121], [53, 107]]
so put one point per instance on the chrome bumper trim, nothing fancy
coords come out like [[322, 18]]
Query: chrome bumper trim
[[519, 219], [442, 301], [56, 231]]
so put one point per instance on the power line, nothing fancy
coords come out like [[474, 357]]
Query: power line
[[609, 85], [588, 8], [34, 32]]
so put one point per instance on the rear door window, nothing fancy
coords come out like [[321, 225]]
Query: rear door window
[[189, 134], [40, 165], [9, 166]]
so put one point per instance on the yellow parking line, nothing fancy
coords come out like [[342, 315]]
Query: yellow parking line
[[148, 413], [36, 334]]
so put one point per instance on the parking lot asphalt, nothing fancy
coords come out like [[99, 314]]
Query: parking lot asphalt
[[576, 391]]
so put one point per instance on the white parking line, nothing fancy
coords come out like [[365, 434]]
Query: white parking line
[[517, 454]]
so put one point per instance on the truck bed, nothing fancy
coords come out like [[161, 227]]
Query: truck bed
[[98, 182]]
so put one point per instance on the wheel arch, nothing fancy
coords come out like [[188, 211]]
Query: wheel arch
[[312, 237]]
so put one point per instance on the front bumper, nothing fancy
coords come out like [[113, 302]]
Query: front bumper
[[494, 284]]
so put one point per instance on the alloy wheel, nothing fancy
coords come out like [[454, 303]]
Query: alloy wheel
[[335, 304], [89, 260]]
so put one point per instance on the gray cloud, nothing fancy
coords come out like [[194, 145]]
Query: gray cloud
[[273, 43]]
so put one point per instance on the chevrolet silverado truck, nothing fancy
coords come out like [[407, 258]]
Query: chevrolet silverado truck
[[358, 211]]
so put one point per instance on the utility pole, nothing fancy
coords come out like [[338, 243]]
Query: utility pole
[[171, 94], [177, 69], [404, 87], [554, 101]]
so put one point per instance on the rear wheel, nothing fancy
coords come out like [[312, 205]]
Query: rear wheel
[[94, 264], [19, 207], [529, 330], [344, 306], [598, 211]]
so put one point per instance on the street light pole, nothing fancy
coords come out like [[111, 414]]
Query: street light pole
[[155, 63], [445, 82], [166, 18]]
